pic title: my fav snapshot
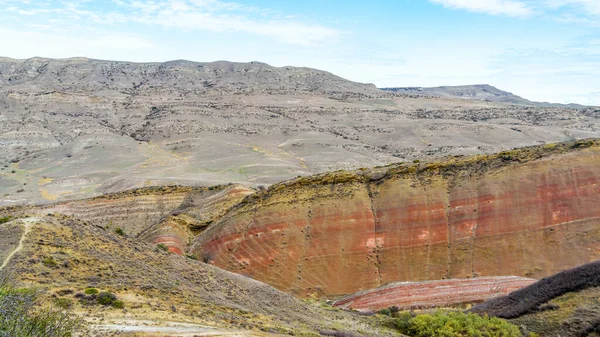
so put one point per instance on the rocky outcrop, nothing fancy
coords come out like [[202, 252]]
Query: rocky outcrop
[[61, 256], [78, 128], [199, 210], [431, 294], [529, 212], [133, 211]]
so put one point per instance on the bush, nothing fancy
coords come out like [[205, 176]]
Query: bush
[[63, 303], [5, 219], [106, 298], [21, 315], [385, 312], [455, 324], [119, 231], [118, 304], [91, 291], [49, 262], [163, 247]]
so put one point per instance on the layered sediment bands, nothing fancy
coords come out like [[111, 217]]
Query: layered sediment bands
[[428, 294], [199, 209], [529, 212], [133, 211]]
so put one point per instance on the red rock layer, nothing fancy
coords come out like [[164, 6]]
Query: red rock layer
[[430, 294], [199, 210], [530, 212]]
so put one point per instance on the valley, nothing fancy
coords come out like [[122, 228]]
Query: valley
[[239, 199]]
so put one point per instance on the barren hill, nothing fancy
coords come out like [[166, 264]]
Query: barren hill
[[61, 256], [78, 127], [530, 212], [484, 92]]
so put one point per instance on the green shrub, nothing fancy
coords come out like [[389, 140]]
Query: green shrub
[[64, 303], [49, 262], [5, 219], [455, 324], [163, 247], [106, 298], [118, 304], [385, 312], [90, 291], [22, 316], [191, 257], [119, 231]]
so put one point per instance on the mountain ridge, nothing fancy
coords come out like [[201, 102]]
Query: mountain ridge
[[190, 123], [484, 92]]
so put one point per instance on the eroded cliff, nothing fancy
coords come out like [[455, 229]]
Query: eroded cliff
[[529, 212]]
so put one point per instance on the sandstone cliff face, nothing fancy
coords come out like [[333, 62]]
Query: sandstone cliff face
[[430, 294], [199, 210], [133, 211], [529, 212]]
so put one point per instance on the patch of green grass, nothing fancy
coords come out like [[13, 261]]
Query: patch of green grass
[[91, 291], [5, 219], [163, 247]]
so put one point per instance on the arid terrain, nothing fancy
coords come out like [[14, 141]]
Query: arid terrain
[[241, 199], [76, 128]]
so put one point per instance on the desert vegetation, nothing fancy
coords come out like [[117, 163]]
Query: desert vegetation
[[530, 298], [455, 324], [23, 314]]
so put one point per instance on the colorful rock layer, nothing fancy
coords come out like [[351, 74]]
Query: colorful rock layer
[[430, 294], [529, 212]]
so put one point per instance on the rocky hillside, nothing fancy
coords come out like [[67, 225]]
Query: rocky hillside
[[564, 304], [62, 256], [76, 128], [214, 78], [463, 217], [529, 212], [482, 92]]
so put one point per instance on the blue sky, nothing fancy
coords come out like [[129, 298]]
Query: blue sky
[[546, 50]]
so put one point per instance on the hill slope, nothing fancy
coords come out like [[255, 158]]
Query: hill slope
[[564, 304], [484, 92], [528, 212], [190, 123], [62, 256]]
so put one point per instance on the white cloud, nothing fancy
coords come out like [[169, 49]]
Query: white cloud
[[187, 15], [589, 7], [570, 11], [285, 31], [494, 7]]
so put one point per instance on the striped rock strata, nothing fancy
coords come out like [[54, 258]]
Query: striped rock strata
[[529, 212], [171, 215], [200, 209], [133, 210], [440, 293]]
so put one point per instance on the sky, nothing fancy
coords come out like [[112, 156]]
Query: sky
[[543, 50]]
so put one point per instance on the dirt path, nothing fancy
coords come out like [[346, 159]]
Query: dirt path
[[27, 223], [150, 328]]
